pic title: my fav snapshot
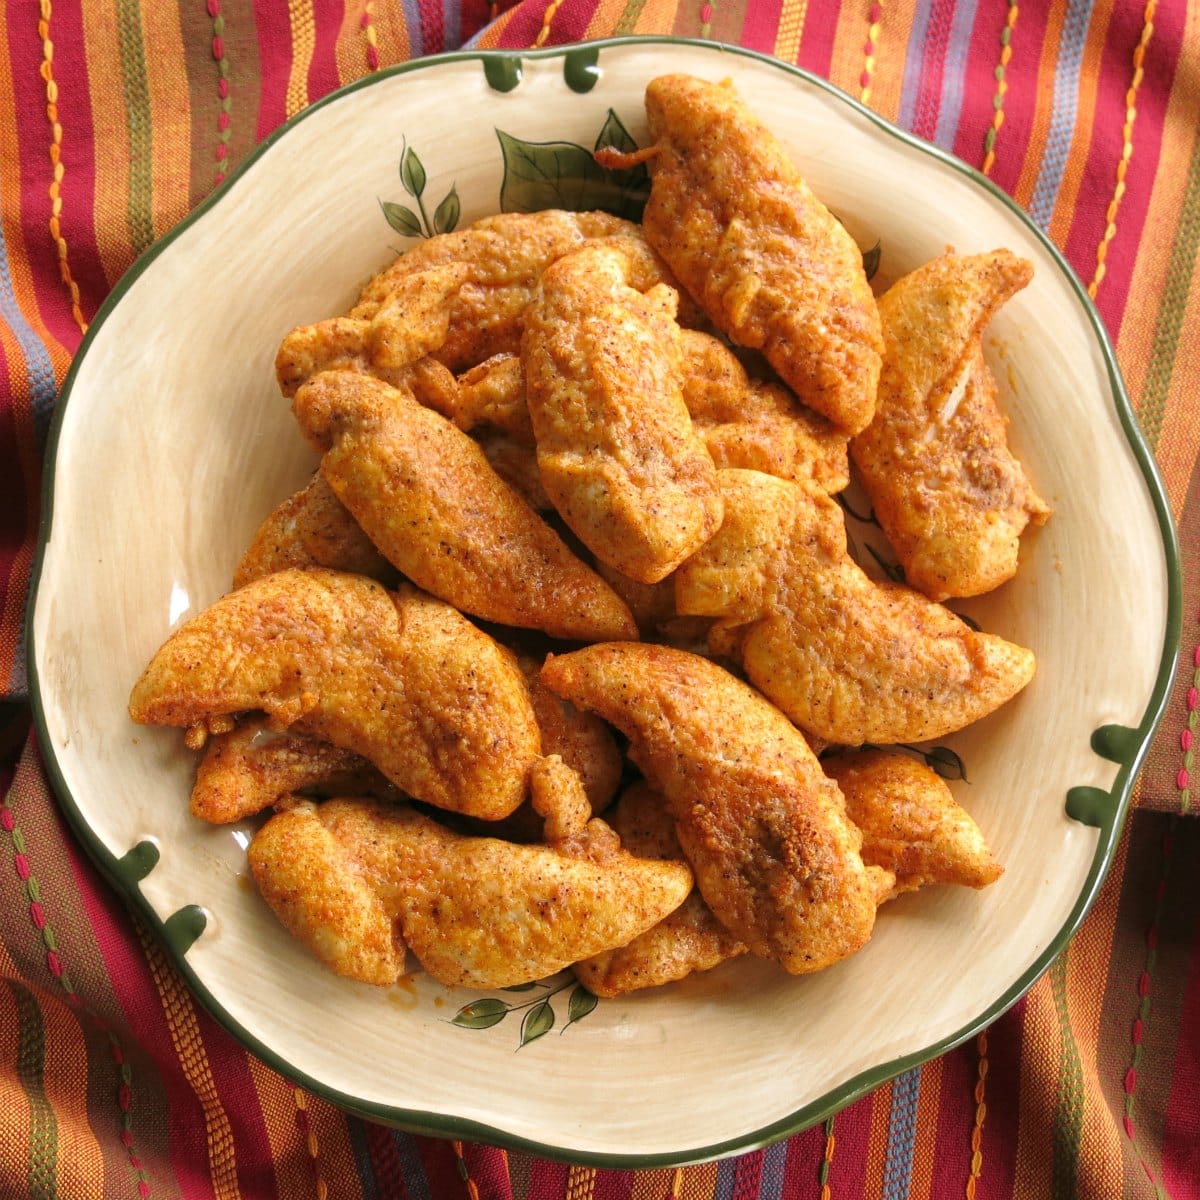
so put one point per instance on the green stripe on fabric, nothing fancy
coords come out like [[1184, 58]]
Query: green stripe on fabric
[[136, 91], [1068, 1113], [1167, 328], [43, 1126], [629, 18]]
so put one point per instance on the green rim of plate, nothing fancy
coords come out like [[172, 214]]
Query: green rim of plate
[[502, 68]]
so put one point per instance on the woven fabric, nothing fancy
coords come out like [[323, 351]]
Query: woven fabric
[[116, 118]]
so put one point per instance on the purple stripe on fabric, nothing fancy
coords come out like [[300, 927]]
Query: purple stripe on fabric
[[774, 1172], [910, 91], [452, 18], [1062, 112], [412, 18], [954, 77]]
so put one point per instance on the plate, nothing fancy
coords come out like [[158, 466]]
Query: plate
[[171, 442]]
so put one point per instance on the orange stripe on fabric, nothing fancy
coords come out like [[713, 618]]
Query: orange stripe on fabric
[[111, 134], [1114, 205], [1040, 1059], [58, 167], [171, 115], [879, 1102], [1043, 107], [1086, 116], [791, 29], [65, 1082], [392, 36], [925, 1142], [659, 16], [657, 1185], [304, 42], [604, 19], [581, 1183], [350, 50], [975, 1172], [1178, 445], [14, 1103], [193, 1061]]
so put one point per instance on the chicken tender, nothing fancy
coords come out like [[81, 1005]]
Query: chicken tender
[[849, 659], [911, 824], [399, 678], [253, 767], [476, 912], [935, 460], [311, 529], [765, 831], [688, 940], [427, 497], [775, 271], [615, 446]]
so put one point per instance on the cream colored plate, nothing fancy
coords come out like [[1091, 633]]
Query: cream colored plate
[[172, 442]]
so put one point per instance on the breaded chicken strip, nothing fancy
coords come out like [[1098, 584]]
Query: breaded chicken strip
[[252, 767], [615, 446], [457, 296], [427, 497], [761, 255], [311, 529], [688, 940], [849, 659], [911, 824], [355, 879], [763, 828], [935, 461], [399, 678]]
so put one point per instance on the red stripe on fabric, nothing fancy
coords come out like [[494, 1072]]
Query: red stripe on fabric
[[805, 1154], [761, 25], [34, 137], [433, 25], [323, 70], [979, 85], [441, 1168], [274, 43], [955, 1113], [816, 42], [386, 1168], [78, 189], [547, 1178], [489, 1170], [473, 16], [1001, 1130], [1181, 1120], [1161, 64], [933, 69], [1020, 103]]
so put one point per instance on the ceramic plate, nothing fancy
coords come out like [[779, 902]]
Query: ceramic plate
[[171, 443]]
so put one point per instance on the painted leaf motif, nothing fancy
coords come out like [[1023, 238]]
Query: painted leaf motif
[[871, 259], [481, 1014], [412, 172], [403, 220], [538, 1022], [445, 216], [946, 763], [580, 1004]]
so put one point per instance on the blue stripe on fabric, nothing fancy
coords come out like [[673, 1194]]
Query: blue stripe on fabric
[[43, 388], [416, 35], [902, 1136], [774, 1170], [954, 75], [453, 24], [415, 1179], [726, 1177], [1062, 112], [910, 90]]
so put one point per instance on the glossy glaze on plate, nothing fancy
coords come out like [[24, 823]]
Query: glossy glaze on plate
[[171, 442]]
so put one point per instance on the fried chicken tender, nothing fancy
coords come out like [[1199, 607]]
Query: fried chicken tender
[[401, 679], [911, 824], [311, 529], [615, 446], [849, 659], [688, 940], [355, 879], [771, 266], [427, 497], [765, 831], [252, 767], [935, 460]]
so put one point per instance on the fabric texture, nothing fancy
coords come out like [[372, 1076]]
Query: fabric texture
[[117, 118]]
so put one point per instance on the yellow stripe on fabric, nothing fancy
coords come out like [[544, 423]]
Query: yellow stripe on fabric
[[303, 24], [1086, 116], [14, 1103], [791, 29], [581, 1183], [188, 1043], [170, 114], [65, 1083], [110, 133], [979, 1095], [657, 1185]]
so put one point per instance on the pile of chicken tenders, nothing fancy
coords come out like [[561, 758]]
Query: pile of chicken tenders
[[535, 672]]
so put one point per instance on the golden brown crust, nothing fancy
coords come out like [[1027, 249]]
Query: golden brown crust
[[764, 829], [402, 679], [427, 497], [935, 461], [762, 256], [615, 446]]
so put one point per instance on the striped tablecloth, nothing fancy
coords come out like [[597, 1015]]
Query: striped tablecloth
[[117, 117]]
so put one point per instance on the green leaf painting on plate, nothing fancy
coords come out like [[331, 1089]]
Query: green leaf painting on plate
[[414, 179], [539, 1015], [539, 175]]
